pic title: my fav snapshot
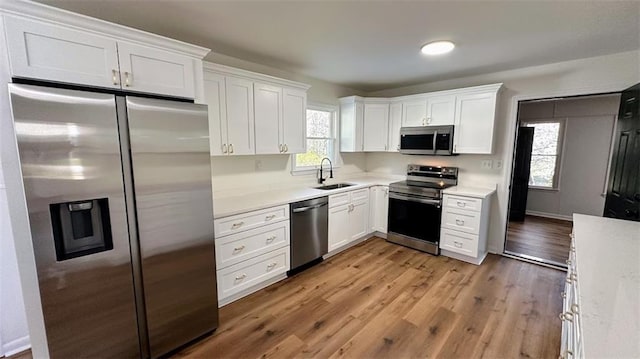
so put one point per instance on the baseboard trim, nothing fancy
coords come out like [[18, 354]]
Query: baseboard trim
[[549, 215], [16, 346]]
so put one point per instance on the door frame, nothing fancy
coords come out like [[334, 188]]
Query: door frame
[[512, 127]]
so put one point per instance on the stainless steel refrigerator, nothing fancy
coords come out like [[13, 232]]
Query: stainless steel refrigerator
[[118, 190]]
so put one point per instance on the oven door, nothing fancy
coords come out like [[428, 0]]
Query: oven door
[[415, 221]]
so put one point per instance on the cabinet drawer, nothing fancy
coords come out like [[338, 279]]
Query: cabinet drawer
[[250, 220], [339, 199], [471, 204], [359, 194], [461, 220], [459, 242], [242, 246], [243, 275]]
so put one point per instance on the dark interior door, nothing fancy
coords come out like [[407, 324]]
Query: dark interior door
[[520, 181], [623, 192]]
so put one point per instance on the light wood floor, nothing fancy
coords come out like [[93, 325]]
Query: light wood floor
[[540, 237], [380, 300]]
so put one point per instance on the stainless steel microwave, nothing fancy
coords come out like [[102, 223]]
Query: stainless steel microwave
[[427, 140]]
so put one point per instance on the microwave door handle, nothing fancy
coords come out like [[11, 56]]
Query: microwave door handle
[[435, 136]]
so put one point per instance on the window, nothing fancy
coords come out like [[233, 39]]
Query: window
[[545, 155], [321, 123]]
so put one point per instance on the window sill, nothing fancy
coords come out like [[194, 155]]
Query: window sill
[[548, 189]]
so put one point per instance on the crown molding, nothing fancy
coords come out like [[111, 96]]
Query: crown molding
[[253, 76]]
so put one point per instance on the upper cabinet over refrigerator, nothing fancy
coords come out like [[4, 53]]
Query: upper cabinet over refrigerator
[[58, 46]]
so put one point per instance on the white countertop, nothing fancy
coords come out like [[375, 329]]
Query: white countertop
[[476, 192], [228, 206], [608, 268]]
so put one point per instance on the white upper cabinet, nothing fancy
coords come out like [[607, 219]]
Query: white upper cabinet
[[294, 121], [268, 118], [441, 110], [240, 119], [214, 91], [395, 122], [49, 44], [351, 124], [146, 69], [414, 112], [54, 53], [474, 122], [254, 113], [376, 127]]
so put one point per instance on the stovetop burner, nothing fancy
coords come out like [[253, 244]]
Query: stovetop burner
[[426, 181]]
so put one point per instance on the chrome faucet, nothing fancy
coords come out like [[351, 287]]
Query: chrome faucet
[[320, 178]]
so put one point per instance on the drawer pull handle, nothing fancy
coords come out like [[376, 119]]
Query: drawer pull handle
[[271, 266], [271, 239], [459, 222], [461, 204], [269, 217], [224, 148], [574, 308], [241, 277], [127, 81], [457, 244], [573, 276], [237, 225], [238, 249], [563, 294], [568, 262]]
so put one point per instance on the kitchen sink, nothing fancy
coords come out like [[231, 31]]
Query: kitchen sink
[[335, 186]]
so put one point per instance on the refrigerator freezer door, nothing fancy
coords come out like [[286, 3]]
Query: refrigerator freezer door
[[172, 183], [70, 157]]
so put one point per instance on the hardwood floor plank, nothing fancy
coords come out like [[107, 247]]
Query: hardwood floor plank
[[380, 300], [540, 237]]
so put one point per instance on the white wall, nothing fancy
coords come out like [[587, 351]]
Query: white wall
[[585, 154], [236, 174], [585, 76]]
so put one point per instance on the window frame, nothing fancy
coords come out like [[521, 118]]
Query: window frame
[[559, 153], [335, 160]]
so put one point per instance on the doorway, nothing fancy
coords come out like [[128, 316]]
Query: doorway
[[561, 162]]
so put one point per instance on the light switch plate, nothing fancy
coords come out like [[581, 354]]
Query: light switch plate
[[498, 164], [487, 164]]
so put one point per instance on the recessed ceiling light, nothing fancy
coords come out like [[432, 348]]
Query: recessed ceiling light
[[437, 47]]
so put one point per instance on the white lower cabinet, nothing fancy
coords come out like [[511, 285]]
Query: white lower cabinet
[[464, 228], [348, 217], [252, 251], [379, 208]]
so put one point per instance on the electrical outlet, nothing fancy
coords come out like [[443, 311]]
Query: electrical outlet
[[498, 165], [487, 164]]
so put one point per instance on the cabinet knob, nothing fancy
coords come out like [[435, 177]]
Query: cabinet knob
[[280, 147], [286, 148], [230, 148], [114, 76]]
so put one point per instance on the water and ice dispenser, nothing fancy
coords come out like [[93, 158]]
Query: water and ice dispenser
[[81, 228]]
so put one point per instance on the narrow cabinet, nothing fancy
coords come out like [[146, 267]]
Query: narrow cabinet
[[379, 208], [294, 121], [395, 123], [351, 124], [268, 118], [240, 120], [215, 98], [339, 226], [376, 127]]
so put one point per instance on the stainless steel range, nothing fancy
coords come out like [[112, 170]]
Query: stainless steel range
[[415, 207]]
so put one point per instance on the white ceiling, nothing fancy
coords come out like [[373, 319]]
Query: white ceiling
[[375, 45]]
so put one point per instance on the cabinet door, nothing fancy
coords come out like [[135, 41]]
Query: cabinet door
[[383, 209], [376, 126], [339, 234], [214, 95], [359, 219], [474, 120], [351, 126], [395, 122], [414, 113], [440, 110], [373, 207], [240, 121], [146, 69], [49, 52], [267, 101], [294, 121]]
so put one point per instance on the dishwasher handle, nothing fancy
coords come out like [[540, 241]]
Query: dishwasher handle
[[304, 209]]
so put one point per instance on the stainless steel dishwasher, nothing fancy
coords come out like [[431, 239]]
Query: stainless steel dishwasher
[[309, 232]]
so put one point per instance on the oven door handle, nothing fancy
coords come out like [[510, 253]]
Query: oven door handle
[[414, 199]]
